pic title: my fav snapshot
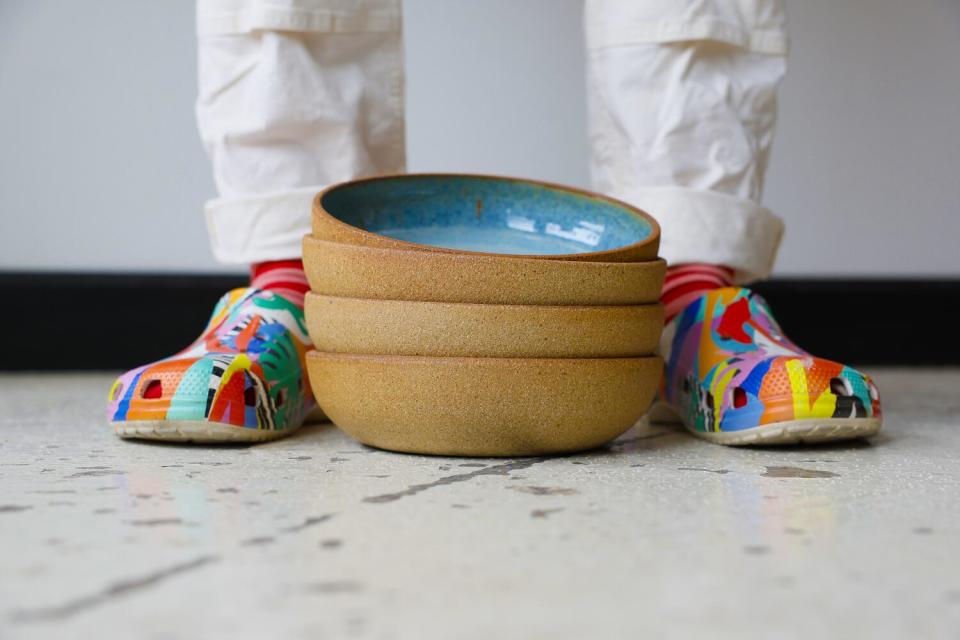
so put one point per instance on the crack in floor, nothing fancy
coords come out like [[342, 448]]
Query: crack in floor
[[495, 470], [618, 446], [117, 589], [719, 472], [797, 472], [308, 522]]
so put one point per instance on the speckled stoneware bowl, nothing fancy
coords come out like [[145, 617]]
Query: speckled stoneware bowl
[[355, 271], [483, 406], [401, 327], [458, 213]]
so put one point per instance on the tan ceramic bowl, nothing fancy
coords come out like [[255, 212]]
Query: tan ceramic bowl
[[437, 209], [483, 406], [355, 271], [409, 328]]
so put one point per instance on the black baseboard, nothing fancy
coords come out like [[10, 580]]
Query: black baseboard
[[94, 321]]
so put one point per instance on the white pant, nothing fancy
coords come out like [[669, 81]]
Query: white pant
[[298, 94]]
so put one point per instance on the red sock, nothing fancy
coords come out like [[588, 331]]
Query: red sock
[[283, 277], [686, 282]]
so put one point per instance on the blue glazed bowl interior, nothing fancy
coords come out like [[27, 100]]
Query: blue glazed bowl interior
[[490, 215]]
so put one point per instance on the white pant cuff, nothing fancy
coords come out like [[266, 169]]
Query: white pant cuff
[[711, 227], [603, 34], [230, 17], [259, 228]]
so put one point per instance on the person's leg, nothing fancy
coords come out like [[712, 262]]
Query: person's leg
[[294, 96], [682, 97]]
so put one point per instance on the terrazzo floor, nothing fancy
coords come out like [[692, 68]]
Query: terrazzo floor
[[316, 536]]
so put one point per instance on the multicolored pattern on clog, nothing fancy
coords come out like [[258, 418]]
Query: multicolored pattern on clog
[[729, 367], [246, 370]]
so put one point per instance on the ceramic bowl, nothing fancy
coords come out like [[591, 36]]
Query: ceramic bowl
[[457, 213], [410, 328], [355, 271], [483, 406]]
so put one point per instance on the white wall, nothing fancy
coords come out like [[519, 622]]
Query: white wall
[[100, 165]]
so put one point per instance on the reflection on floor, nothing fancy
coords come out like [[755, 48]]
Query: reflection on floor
[[317, 536]]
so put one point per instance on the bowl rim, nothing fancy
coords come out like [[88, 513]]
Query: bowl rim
[[500, 258], [582, 308], [347, 269], [318, 210], [492, 360]]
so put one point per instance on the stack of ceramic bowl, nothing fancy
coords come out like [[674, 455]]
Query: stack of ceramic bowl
[[472, 315]]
